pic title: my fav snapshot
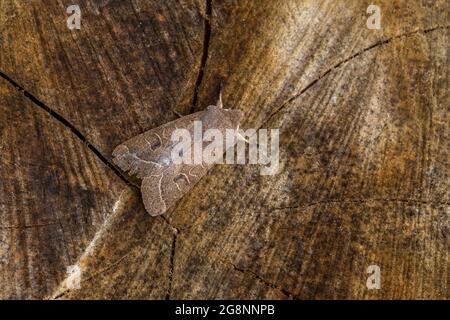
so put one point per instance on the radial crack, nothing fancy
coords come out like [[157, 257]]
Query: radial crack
[[171, 264], [339, 64], [204, 58], [260, 279], [58, 117]]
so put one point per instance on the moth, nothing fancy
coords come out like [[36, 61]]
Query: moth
[[149, 156]]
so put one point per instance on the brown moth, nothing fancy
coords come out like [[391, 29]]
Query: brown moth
[[148, 156]]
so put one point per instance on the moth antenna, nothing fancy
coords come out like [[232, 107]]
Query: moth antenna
[[219, 102]]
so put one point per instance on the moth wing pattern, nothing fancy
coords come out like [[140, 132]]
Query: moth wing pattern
[[148, 156], [144, 154], [160, 191]]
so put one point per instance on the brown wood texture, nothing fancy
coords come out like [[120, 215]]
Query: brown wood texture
[[364, 139]]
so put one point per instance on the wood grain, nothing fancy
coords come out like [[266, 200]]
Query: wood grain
[[129, 66], [364, 142], [56, 195]]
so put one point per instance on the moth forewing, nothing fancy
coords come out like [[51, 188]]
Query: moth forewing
[[151, 156]]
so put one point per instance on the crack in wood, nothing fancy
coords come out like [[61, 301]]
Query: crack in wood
[[254, 275], [339, 64], [58, 117], [175, 229], [204, 58], [171, 265]]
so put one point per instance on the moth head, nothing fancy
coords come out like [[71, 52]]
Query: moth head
[[229, 118]]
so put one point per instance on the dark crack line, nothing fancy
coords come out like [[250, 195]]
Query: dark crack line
[[165, 220], [265, 282], [204, 58], [172, 264], [55, 115], [339, 64]]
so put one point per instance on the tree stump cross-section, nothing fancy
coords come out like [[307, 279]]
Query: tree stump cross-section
[[364, 149]]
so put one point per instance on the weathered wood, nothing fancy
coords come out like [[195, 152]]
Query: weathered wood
[[129, 66], [55, 196], [364, 144]]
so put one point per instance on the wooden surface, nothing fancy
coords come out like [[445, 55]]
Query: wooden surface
[[364, 121]]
